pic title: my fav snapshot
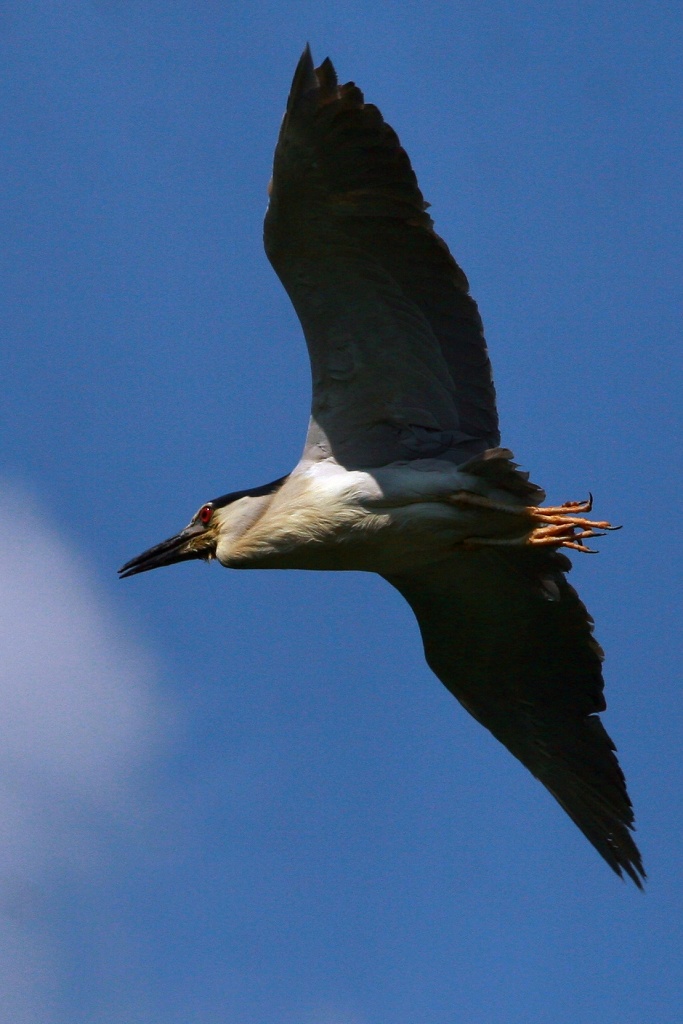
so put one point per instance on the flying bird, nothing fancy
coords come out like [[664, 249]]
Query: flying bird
[[402, 472]]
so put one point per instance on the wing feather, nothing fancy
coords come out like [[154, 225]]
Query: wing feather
[[399, 362], [510, 638]]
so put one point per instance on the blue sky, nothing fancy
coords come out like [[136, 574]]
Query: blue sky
[[242, 797]]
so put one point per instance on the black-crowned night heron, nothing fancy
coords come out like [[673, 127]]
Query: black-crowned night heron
[[401, 472]]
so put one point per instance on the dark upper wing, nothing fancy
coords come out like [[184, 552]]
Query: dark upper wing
[[510, 638], [398, 358]]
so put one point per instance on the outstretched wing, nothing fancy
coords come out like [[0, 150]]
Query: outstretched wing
[[510, 638], [398, 358]]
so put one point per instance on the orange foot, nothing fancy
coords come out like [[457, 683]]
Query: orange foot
[[565, 526], [556, 526]]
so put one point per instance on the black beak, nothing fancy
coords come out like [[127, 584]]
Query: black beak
[[175, 549]]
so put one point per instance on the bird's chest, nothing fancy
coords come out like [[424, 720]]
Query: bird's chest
[[350, 523]]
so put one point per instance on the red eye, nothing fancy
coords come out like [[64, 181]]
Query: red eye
[[205, 514]]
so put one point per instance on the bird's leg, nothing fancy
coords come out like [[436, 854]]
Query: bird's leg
[[554, 526]]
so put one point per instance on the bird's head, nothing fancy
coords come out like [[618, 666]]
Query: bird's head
[[211, 533]]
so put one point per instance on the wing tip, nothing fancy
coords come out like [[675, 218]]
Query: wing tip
[[603, 811], [624, 858], [318, 85], [304, 80]]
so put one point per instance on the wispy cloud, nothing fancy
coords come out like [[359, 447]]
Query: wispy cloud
[[78, 719]]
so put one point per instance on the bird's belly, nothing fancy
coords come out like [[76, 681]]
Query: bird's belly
[[365, 536]]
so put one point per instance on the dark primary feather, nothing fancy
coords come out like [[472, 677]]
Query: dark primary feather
[[399, 361], [510, 638]]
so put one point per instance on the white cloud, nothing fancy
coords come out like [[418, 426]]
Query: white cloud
[[78, 719]]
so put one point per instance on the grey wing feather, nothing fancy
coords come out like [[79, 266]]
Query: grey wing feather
[[398, 358], [510, 638]]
